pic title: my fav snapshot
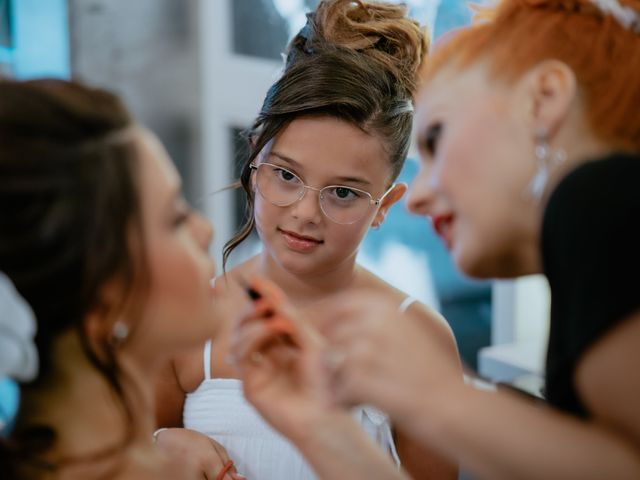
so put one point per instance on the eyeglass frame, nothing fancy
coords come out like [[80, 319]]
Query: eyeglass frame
[[254, 168]]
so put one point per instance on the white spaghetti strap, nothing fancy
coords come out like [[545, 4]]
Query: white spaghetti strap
[[406, 303], [207, 360], [377, 425], [392, 448]]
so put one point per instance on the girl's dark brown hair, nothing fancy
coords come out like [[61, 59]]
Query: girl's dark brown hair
[[353, 61], [68, 206]]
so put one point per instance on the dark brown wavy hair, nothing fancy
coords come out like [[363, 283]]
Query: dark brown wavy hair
[[354, 61], [68, 205]]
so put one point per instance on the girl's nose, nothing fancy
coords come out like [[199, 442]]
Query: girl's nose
[[308, 207]]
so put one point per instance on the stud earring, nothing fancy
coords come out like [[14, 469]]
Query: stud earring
[[119, 333], [546, 159]]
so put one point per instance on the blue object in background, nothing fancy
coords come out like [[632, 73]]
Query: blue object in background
[[9, 394], [35, 36], [453, 14], [39, 38]]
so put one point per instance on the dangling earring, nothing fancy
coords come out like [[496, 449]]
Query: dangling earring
[[119, 333], [546, 159]]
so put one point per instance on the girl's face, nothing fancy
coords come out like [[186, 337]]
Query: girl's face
[[178, 310], [321, 151], [476, 151]]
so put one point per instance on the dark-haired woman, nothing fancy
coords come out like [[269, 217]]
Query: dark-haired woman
[[95, 235]]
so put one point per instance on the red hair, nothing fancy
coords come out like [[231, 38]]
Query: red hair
[[604, 55]]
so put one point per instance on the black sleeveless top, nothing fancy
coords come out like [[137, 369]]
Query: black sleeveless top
[[591, 256]]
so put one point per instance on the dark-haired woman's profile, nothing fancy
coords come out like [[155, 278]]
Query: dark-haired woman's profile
[[96, 237]]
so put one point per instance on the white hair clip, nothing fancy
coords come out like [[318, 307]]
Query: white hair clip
[[626, 16], [18, 353]]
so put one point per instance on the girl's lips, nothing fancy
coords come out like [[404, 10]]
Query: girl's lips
[[442, 224], [300, 243]]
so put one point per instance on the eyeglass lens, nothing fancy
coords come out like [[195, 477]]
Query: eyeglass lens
[[341, 204]]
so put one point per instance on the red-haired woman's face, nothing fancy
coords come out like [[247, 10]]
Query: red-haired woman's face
[[179, 306], [476, 151]]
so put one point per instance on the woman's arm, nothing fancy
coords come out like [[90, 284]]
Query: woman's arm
[[336, 447], [419, 460], [494, 435], [499, 436]]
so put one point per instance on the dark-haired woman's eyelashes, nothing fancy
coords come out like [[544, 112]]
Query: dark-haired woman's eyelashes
[[181, 218], [431, 138], [182, 214]]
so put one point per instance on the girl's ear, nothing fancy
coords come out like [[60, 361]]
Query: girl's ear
[[394, 195]]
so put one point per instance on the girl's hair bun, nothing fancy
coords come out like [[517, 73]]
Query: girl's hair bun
[[379, 30]]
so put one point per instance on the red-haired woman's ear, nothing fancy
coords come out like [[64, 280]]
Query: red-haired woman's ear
[[553, 88]]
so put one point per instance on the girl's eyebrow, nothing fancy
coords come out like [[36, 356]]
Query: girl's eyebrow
[[358, 180], [284, 158], [297, 166]]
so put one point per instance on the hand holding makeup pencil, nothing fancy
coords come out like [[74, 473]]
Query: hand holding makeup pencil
[[278, 354], [282, 362]]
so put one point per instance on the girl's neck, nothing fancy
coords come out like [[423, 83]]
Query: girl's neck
[[310, 286]]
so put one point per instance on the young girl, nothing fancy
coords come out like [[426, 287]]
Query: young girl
[[529, 135], [329, 142], [95, 236]]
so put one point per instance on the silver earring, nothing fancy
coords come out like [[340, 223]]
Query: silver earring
[[119, 333], [546, 159]]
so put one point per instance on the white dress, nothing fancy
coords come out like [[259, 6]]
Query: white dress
[[218, 409]]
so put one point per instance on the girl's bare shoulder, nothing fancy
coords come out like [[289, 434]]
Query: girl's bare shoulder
[[432, 319], [367, 280]]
